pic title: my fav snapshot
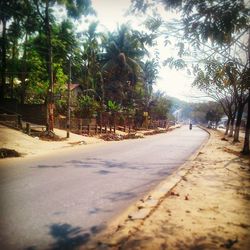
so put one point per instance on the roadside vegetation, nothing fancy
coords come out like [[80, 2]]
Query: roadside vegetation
[[42, 51], [216, 34]]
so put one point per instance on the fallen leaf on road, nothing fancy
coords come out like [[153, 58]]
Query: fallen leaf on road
[[184, 178], [174, 193]]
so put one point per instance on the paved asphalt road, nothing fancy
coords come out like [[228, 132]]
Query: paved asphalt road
[[63, 199]]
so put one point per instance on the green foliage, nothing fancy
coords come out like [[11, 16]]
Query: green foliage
[[153, 23], [216, 20], [159, 106], [213, 115], [111, 68], [199, 112], [204, 112], [87, 106], [77, 8], [60, 78], [113, 106], [36, 84], [124, 73], [91, 50], [175, 63]]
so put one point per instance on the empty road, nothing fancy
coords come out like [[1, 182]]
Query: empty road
[[62, 199]]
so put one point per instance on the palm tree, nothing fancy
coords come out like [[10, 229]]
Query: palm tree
[[150, 74], [91, 50], [123, 51]]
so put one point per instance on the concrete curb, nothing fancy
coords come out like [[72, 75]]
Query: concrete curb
[[122, 228]]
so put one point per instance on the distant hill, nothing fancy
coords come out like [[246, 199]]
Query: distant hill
[[177, 103]]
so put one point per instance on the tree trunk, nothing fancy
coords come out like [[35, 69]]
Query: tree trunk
[[50, 108], [227, 127], [14, 53], [231, 127], [3, 59], [246, 150], [101, 97], [238, 122], [24, 71], [11, 79]]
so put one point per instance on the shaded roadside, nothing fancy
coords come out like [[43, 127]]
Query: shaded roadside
[[207, 209]]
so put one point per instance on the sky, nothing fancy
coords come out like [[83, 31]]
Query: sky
[[111, 13]]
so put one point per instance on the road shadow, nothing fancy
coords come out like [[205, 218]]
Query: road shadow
[[120, 196], [50, 166], [97, 163], [104, 172], [97, 210], [108, 167], [132, 193], [68, 237]]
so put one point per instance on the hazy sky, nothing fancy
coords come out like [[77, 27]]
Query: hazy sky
[[110, 13]]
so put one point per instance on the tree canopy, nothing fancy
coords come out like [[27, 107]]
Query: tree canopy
[[40, 50]]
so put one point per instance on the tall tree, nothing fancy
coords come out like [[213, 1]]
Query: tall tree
[[211, 22], [91, 51], [44, 9], [29, 25], [14, 34], [123, 52], [213, 80], [150, 74], [8, 10], [237, 77], [159, 107]]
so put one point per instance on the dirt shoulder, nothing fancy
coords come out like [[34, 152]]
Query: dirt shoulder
[[209, 208], [32, 146], [26, 146]]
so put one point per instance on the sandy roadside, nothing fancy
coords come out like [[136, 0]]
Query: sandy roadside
[[29, 146], [208, 209], [33, 146]]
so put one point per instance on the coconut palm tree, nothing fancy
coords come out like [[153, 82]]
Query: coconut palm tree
[[150, 74], [91, 50], [123, 51]]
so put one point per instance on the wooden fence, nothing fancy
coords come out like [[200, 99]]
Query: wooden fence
[[98, 129], [91, 127]]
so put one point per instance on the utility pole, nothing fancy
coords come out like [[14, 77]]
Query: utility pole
[[68, 100]]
